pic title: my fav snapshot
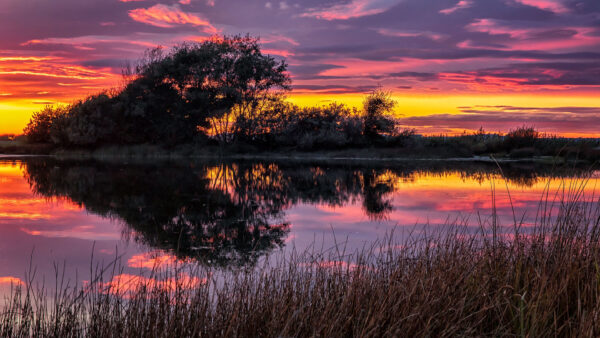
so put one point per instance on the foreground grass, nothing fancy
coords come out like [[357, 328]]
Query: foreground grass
[[539, 281]]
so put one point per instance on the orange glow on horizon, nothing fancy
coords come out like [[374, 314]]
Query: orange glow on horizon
[[27, 83], [16, 113]]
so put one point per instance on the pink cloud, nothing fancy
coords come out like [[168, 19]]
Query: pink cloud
[[354, 67], [168, 16], [353, 9], [494, 27], [549, 5], [280, 52], [272, 38], [410, 34], [532, 38], [462, 4]]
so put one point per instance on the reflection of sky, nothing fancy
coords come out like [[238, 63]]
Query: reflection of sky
[[48, 231], [432, 200]]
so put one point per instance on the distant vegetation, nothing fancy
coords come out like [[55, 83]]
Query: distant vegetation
[[224, 92]]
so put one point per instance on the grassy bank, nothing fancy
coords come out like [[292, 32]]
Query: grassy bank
[[21, 147], [543, 280], [155, 152], [475, 147]]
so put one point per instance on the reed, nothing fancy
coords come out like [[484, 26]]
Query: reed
[[540, 280]]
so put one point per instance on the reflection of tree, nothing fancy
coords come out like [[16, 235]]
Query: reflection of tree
[[226, 214], [172, 208], [231, 214]]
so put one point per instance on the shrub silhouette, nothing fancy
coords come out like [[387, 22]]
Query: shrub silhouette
[[172, 97], [39, 127], [521, 137], [377, 106]]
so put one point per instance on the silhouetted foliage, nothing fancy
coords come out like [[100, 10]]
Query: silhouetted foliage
[[521, 137], [39, 128], [377, 107], [171, 98], [201, 85], [90, 122], [225, 91], [332, 126]]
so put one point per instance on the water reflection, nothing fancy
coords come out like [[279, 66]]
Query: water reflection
[[231, 214]]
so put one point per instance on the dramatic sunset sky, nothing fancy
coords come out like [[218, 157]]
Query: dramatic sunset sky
[[452, 65]]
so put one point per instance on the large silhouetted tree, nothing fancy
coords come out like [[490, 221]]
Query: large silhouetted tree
[[198, 85], [171, 97]]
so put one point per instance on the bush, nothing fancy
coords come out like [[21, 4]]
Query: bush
[[521, 137], [377, 106], [330, 126], [39, 127], [89, 122]]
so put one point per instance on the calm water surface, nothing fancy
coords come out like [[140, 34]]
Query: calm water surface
[[228, 215]]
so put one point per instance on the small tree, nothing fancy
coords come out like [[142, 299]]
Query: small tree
[[377, 107], [40, 125], [521, 137]]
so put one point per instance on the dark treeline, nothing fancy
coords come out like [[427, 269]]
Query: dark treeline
[[221, 91], [226, 214], [225, 92]]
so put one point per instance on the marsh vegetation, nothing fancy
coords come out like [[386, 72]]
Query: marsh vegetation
[[532, 281]]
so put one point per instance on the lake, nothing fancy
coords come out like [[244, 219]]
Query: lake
[[229, 215]]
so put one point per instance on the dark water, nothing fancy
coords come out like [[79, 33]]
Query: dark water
[[231, 214]]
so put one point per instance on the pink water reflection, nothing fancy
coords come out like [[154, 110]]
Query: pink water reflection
[[48, 230]]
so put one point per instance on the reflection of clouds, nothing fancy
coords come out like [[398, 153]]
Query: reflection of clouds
[[39, 216], [151, 260], [128, 283], [323, 203], [89, 232], [435, 200], [9, 280]]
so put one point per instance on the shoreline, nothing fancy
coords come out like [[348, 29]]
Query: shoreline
[[297, 157], [212, 152]]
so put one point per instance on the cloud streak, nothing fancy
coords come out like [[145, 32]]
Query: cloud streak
[[350, 10], [577, 120], [169, 16]]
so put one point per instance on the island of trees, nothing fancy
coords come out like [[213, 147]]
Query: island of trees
[[226, 93]]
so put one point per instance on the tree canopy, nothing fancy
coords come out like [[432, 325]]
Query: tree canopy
[[171, 97], [224, 89]]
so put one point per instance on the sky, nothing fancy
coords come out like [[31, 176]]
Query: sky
[[451, 65]]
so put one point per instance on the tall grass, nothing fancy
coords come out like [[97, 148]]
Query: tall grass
[[541, 280]]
